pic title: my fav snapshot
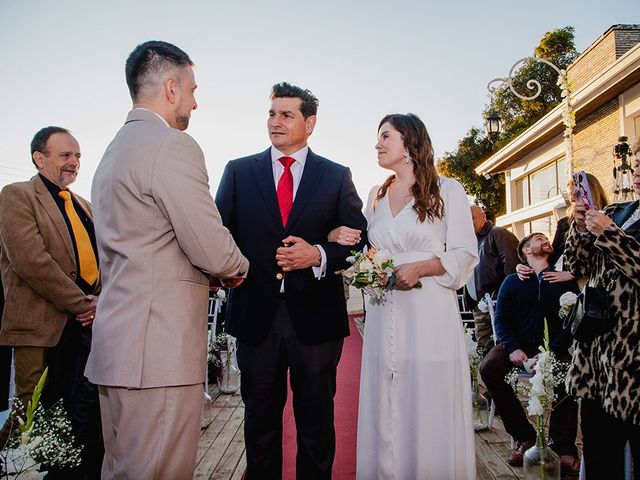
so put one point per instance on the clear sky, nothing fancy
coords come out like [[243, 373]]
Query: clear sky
[[63, 64]]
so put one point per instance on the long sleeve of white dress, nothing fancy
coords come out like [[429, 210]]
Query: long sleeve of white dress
[[461, 254]]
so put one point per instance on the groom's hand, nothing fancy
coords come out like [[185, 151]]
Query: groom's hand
[[297, 254]]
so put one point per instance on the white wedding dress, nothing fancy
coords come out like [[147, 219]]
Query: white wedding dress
[[415, 418]]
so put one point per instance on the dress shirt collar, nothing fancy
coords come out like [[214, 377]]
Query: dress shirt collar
[[157, 115], [300, 156]]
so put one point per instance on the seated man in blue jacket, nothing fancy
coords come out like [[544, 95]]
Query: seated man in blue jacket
[[521, 309]]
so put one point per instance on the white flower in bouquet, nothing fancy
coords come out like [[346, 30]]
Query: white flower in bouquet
[[221, 295], [567, 301], [380, 257]]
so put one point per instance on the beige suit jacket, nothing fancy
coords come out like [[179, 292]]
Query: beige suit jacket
[[38, 266], [159, 235]]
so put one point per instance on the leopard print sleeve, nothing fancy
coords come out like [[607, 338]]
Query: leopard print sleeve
[[577, 259], [622, 250]]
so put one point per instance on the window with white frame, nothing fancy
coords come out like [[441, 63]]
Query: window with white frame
[[541, 184], [546, 225]]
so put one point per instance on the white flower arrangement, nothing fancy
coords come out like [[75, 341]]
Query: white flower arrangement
[[215, 346], [567, 301], [482, 306], [43, 437], [475, 356], [549, 373], [221, 295], [216, 342], [568, 113]]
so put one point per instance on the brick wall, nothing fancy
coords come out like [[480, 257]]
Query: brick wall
[[594, 60], [611, 45], [626, 39], [593, 141]]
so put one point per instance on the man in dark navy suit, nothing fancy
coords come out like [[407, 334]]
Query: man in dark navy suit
[[290, 313]]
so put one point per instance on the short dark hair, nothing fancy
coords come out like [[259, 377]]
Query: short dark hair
[[148, 60], [525, 243], [308, 101], [40, 139]]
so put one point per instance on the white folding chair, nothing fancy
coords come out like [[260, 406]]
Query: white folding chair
[[492, 314], [212, 320]]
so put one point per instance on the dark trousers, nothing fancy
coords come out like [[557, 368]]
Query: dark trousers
[[312, 370], [563, 425], [604, 438], [66, 382], [5, 376]]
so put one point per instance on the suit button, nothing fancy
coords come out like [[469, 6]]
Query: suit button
[[73, 274], [279, 276]]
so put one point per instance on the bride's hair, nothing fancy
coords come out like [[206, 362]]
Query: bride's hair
[[426, 191]]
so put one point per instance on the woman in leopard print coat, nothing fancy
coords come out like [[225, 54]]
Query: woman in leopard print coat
[[605, 374]]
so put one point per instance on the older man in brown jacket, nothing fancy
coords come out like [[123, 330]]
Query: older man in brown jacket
[[50, 274], [159, 236]]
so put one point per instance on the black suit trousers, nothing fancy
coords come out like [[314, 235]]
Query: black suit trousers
[[312, 370]]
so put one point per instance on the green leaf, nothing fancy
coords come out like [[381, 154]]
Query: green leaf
[[32, 405]]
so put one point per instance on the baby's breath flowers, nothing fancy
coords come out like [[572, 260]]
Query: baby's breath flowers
[[43, 437]]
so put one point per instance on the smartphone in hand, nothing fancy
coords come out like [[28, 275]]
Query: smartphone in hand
[[582, 190]]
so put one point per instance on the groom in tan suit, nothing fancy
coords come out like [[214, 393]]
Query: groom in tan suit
[[160, 237]]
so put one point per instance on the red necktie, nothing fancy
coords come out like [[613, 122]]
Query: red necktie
[[285, 189]]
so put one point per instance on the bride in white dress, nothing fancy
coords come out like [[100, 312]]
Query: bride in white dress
[[414, 418]]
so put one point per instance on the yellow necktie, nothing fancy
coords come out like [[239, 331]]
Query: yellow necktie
[[86, 256]]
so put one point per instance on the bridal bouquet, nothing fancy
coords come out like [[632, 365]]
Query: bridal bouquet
[[372, 271]]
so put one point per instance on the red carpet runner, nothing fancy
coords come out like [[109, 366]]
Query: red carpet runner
[[346, 414]]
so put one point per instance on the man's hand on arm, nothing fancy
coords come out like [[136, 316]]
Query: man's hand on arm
[[298, 255]]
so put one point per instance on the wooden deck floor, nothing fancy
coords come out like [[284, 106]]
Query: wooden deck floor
[[221, 449]]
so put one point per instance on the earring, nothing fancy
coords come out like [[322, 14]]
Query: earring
[[407, 158]]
